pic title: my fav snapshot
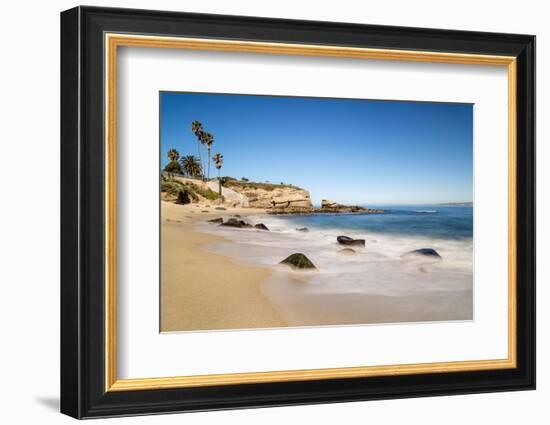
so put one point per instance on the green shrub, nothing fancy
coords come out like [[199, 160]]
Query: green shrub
[[173, 167], [245, 184], [207, 193], [192, 194], [173, 187]]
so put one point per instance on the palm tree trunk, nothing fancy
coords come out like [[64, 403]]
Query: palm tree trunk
[[208, 175], [199, 150], [219, 182]]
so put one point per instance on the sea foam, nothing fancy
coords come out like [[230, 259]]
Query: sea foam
[[377, 270]]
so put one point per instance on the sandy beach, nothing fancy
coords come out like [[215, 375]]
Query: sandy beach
[[204, 291]]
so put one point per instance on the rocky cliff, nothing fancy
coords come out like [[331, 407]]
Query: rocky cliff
[[273, 197], [334, 207]]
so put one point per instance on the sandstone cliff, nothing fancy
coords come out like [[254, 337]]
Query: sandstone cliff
[[272, 197], [334, 207]]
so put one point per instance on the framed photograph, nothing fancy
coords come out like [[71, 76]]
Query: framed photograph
[[261, 212]]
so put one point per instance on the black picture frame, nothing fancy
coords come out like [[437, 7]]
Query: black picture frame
[[83, 392]]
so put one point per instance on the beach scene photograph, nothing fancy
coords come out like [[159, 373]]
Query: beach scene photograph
[[284, 211]]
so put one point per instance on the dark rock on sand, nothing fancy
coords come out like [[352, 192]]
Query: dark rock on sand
[[298, 261], [426, 252], [218, 220], [183, 197], [347, 251], [302, 229], [261, 226], [237, 215], [221, 208], [233, 222], [346, 240]]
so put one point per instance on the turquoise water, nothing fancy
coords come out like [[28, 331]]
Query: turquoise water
[[434, 221]]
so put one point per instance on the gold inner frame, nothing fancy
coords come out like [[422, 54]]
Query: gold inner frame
[[113, 41]]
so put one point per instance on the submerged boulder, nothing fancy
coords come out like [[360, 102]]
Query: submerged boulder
[[261, 226], [302, 229], [425, 252], [218, 220], [347, 251], [346, 240], [298, 261], [233, 222]]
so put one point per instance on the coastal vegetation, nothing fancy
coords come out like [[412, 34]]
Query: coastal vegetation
[[173, 165], [245, 184], [172, 187], [218, 161], [203, 138], [191, 166]]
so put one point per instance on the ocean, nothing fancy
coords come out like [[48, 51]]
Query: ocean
[[377, 283], [444, 222]]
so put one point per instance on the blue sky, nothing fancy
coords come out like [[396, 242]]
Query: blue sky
[[350, 151]]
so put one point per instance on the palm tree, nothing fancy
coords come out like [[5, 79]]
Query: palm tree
[[198, 131], [218, 161], [191, 166], [173, 165], [196, 127], [173, 155], [208, 140]]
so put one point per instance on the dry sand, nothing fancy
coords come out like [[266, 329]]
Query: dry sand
[[202, 290]]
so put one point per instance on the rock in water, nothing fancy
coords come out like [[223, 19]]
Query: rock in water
[[233, 222], [346, 240], [218, 220], [302, 229], [347, 251], [183, 197], [261, 226], [298, 261], [325, 203], [426, 252]]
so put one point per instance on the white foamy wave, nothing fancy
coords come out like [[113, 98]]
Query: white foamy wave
[[426, 211], [377, 270], [259, 247]]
